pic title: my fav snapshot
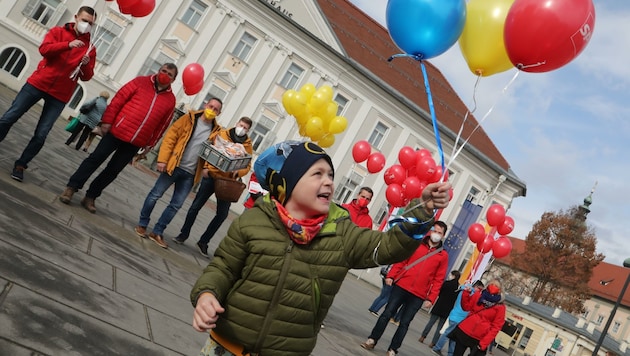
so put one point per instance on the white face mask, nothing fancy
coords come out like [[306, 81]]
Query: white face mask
[[84, 27], [435, 237], [240, 131]]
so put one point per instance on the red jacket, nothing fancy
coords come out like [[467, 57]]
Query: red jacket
[[482, 323], [53, 71], [138, 113], [425, 279], [360, 215]]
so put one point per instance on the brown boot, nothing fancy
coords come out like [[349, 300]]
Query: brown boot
[[421, 339], [88, 203], [66, 196]]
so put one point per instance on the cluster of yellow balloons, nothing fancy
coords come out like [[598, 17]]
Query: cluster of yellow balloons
[[315, 112]]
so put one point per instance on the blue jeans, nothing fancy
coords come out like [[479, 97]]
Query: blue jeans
[[382, 298], [432, 319], [444, 337], [123, 153], [24, 100], [397, 298], [183, 184], [206, 189]]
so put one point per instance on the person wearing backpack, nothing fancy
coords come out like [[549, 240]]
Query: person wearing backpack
[[90, 115]]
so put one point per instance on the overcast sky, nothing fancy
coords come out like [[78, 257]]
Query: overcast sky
[[561, 131]]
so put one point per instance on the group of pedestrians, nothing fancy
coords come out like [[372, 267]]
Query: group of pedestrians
[[135, 120]]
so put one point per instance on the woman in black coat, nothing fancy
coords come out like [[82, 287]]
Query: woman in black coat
[[442, 307]]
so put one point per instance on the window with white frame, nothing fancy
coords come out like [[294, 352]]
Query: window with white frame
[[527, 334], [76, 98], [152, 66], [244, 46], [473, 195], [194, 13], [616, 326], [46, 12], [341, 101], [382, 213], [378, 134], [215, 92], [599, 320], [349, 184], [107, 41], [261, 133], [585, 314], [12, 60], [291, 77]]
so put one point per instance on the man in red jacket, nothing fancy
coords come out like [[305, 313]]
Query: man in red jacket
[[135, 119], [359, 213], [68, 57], [416, 283]]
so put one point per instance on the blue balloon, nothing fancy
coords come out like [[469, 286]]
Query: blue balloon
[[425, 28]]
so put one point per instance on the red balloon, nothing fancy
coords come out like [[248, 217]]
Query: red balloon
[[412, 187], [394, 195], [407, 157], [485, 245], [423, 152], [501, 247], [193, 89], [361, 151], [450, 194], [412, 171], [375, 162], [142, 8], [506, 227], [541, 36], [395, 174], [192, 77], [425, 169], [476, 233], [126, 6], [495, 215]]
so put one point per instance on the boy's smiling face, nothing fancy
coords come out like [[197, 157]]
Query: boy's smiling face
[[313, 193]]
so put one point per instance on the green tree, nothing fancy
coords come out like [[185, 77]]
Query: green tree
[[559, 257]]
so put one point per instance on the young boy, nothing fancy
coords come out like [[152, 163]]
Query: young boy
[[179, 164], [274, 276]]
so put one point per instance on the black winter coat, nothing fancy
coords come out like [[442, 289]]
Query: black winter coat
[[446, 299]]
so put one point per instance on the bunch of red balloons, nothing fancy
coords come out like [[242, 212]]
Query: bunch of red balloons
[[362, 151], [136, 8], [500, 223], [407, 180], [192, 78]]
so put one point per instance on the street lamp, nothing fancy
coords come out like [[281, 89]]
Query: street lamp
[[626, 263]]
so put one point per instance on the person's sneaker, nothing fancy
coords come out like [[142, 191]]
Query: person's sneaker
[[431, 345], [368, 344], [436, 352], [18, 173], [66, 196], [390, 353], [178, 240], [88, 203], [421, 339], [394, 321], [158, 240], [203, 249], [373, 313], [141, 231]]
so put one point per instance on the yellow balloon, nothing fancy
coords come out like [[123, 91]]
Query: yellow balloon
[[338, 125], [287, 98], [302, 130], [331, 110], [315, 128], [298, 104], [481, 41], [318, 102], [326, 91], [308, 89], [326, 141]]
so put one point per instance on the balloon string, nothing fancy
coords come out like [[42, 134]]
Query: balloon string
[[461, 127], [91, 45], [503, 91]]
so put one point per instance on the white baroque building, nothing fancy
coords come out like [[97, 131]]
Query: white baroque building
[[252, 52]]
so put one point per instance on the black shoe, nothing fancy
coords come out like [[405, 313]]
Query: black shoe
[[203, 249], [18, 173], [178, 240]]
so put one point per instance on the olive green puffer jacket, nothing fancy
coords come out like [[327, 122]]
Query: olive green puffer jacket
[[276, 293]]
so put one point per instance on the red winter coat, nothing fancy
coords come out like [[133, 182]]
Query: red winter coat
[[53, 71], [138, 113], [425, 279], [360, 215], [482, 323]]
